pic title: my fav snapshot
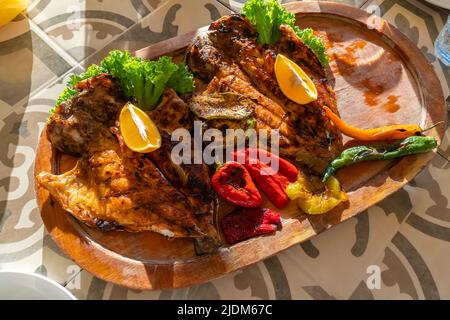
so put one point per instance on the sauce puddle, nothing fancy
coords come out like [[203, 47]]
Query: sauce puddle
[[391, 105], [345, 61], [373, 91]]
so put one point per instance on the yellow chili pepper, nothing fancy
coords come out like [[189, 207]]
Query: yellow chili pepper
[[314, 196], [398, 131]]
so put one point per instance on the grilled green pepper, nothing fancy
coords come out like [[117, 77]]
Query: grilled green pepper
[[410, 145]]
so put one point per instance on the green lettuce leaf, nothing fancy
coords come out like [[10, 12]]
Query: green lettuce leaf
[[315, 43], [182, 81], [157, 76], [268, 15]]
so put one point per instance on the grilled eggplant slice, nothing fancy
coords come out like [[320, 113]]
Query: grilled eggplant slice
[[222, 105]]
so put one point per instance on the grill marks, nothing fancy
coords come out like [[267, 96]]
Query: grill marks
[[191, 179]]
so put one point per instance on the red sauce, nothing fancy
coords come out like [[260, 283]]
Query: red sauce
[[373, 91], [347, 61], [333, 39], [391, 105], [351, 49]]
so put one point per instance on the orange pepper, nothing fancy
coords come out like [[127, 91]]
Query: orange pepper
[[398, 131]]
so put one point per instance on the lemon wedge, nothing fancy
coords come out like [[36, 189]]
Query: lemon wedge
[[293, 81], [138, 130]]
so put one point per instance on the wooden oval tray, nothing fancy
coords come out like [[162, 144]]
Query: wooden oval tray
[[380, 78]]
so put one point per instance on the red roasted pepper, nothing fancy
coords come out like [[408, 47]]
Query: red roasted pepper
[[246, 223], [233, 183], [273, 184], [285, 168]]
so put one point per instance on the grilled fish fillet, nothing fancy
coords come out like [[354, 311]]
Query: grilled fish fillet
[[230, 57], [111, 186], [113, 190], [193, 180]]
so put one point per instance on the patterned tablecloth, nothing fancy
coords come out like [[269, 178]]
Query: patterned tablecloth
[[406, 237]]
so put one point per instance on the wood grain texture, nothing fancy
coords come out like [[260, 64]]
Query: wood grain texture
[[364, 77]]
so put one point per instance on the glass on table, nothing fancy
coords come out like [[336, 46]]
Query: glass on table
[[442, 44]]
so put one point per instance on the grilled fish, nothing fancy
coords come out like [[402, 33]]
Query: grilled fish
[[230, 57], [112, 187], [193, 180]]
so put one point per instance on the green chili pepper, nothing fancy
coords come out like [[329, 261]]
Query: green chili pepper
[[410, 145]]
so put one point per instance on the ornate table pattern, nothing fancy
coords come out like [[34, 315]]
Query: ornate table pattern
[[407, 236]]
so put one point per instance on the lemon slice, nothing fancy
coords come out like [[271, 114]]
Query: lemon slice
[[293, 81], [138, 130]]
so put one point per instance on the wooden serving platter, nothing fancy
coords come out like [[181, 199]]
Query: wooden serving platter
[[380, 78]]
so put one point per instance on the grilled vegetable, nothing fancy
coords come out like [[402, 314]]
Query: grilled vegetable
[[314, 197], [285, 168], [246, 223], [268, 15], [233, 183], [398, 131], [410, 145], [226, 105], [271, 183]]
